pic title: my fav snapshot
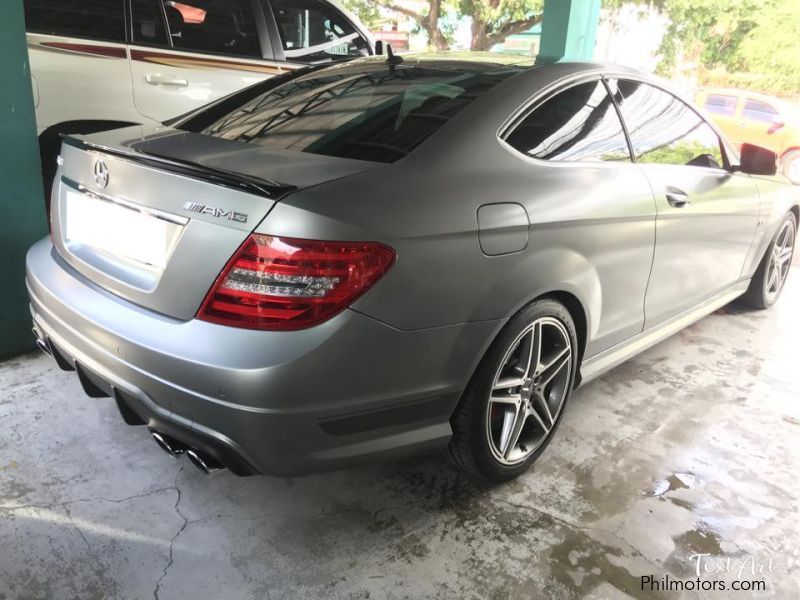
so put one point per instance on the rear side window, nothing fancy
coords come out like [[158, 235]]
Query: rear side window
[[665, 130], [102, 20], [578, 124], [312, 30], [362, 111], [721, 104], [214, 26], [759, 111]]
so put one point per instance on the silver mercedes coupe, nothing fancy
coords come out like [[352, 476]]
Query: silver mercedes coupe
[[381, 258]]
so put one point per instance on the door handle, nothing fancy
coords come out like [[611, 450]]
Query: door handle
[[165, 80], [677, 198]]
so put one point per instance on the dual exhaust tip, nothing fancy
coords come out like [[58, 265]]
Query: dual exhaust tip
[[176, 449]]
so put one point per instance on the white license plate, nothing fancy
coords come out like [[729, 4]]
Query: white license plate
[[118, 230]]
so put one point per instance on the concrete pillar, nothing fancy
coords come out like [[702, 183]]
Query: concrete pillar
[[569, 28], [22, 214]]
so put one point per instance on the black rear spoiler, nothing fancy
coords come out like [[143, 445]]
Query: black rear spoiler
[[229, 179]]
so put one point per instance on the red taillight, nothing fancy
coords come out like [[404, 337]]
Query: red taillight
[[284, 284]]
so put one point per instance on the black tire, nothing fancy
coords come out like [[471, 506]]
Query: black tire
[[470, 446], [789, 166], [757, 295]]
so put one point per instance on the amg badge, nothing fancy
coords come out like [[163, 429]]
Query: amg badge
[[204, 209]]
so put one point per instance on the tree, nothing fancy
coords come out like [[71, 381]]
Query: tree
[[428, 21], [492, 20], [495, 20], [772, 48]]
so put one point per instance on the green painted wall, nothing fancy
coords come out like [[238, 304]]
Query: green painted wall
[[569, 28], [22, 215]]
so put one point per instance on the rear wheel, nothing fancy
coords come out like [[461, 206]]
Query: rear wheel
[[790, 166], [770, 277], [514, 402]]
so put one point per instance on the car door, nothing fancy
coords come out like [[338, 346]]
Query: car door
[[186, 54], [762, 124], [316, 31], [707, 216], [724, 110], [588, 199]]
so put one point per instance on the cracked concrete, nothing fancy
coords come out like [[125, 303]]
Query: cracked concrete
[[691, 448]]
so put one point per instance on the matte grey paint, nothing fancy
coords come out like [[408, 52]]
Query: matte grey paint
[[596, 232], [502, 228]]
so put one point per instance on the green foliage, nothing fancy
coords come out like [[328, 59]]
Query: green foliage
[[679, 153], [772, 48], [752, 43], [366, 10]]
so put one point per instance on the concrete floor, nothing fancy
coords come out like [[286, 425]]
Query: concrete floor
[[690, 448]]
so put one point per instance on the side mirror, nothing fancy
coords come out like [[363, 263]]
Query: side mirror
[[379, 48], [756, 160]]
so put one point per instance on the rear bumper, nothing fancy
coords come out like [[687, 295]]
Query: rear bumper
[[283, 403]]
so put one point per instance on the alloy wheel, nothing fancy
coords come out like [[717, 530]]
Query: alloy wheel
[[529, 390], [780, 261]]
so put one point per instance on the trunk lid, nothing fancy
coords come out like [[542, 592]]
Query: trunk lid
[[154, 219]]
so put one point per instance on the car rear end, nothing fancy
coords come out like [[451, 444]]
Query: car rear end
[[171, 284]]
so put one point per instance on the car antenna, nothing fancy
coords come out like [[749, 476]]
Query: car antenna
[[392, 59]]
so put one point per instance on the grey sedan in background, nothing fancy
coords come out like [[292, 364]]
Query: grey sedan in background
[[380, 258]]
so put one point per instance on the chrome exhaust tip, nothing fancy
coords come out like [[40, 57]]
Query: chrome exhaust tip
[[205, 463], [43, 347], [172, 447], [40, 343]]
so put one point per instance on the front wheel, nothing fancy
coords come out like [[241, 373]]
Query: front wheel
[[514, 402], [770, 277]]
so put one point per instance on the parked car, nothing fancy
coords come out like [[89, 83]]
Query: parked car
[[750, 117], [388, 257], [102, 64]]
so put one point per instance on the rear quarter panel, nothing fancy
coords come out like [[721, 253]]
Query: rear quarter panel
[[591, 232]]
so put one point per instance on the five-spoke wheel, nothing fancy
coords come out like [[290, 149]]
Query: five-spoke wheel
[[529, 390], [780, 260], [514, 402]]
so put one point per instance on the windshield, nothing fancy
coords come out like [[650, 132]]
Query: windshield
[[368, 111]]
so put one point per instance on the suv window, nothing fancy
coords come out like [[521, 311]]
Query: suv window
[[364, 111], [578, 124], [759, 111], [148, 22], [102, 20], [312, 30], [721, 104], [664, 129], [215, 26]]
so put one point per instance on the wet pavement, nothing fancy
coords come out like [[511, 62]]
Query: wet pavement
[[684, 459]]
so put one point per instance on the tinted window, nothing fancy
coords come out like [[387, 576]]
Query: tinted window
[[721, 105], [95, 19], [759, 111], [148, 22], [311, 30], [216, 26], [362, 111], [665, 130], [580, 123]]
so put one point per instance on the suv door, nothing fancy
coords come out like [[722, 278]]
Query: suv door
[[78, 59], [707, 217], [186, 54]]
